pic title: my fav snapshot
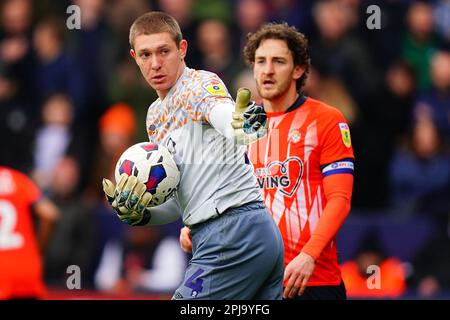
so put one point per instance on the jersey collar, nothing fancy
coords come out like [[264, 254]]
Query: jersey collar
[[301, 99]]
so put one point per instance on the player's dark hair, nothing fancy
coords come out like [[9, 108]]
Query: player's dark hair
[[155, 22], [295, 40]]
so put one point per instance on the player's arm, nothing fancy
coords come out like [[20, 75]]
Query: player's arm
[[48, 214], [338, 193], [167, 212], [243, 121]]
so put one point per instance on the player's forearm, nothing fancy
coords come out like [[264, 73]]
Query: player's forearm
[[221, 117], [338, 191], [165, 213], [48, 213]]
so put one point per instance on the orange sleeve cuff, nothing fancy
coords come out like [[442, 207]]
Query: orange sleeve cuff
[[338, 193]]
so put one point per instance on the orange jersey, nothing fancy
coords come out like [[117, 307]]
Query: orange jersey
[[309, 141], [20, 262]]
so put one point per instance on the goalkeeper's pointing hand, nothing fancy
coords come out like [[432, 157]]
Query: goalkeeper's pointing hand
[[129, 199], [249, 119]]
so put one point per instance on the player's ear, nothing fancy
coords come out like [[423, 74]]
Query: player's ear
[[298, 72], [133, 54], [183, 48]]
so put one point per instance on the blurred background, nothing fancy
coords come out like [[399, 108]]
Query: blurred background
[[71, 101]]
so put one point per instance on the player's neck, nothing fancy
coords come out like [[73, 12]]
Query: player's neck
[[282, 102]]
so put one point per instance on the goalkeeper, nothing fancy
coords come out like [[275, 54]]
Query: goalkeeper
[[237, 247]]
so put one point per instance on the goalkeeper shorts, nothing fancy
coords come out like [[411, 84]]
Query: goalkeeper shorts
[[236, 256]]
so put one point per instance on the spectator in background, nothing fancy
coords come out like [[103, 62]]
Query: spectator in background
[[214, 45], [359, 273], [147, 261], [434, 103], [54, 70], [432, 264], [94, 49], [333, 92], [73, 241], [383, 123], [249, 15], [20, 248], [120, 15], [385, 43], [52, 138], [441, 14], [338, 54], [15, 49], [420, 174], [295, 13], [117, 128], [420, 41], [17, 121]]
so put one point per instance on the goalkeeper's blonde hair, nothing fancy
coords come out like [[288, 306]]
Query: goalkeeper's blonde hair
[[155, 22]]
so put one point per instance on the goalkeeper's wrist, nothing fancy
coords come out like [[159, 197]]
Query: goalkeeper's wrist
[[147, 216]]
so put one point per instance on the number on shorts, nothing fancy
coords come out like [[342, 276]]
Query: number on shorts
[[195, 283]]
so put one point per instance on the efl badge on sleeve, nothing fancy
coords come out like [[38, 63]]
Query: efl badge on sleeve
[[345, 133], [216, 89]]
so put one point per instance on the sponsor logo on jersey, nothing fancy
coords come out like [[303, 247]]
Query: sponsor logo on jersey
[[216, 89], [284, 176], [345, 133]]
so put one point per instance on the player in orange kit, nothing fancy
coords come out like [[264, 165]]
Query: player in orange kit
[[304, 164], [20, 260]]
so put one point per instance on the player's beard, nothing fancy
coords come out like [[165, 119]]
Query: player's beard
[[279, 89]]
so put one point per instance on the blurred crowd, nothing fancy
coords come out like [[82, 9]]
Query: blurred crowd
[[71, 101]]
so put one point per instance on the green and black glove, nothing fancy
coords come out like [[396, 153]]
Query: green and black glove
[[129, 199], [249, 119]]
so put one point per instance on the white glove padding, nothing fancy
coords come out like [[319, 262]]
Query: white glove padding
[[129, 199], [249, 119]]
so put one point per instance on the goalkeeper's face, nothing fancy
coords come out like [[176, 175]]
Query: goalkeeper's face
[[274, 69], [161, 61]]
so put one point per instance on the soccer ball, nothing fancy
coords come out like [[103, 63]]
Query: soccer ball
[[154, 166]]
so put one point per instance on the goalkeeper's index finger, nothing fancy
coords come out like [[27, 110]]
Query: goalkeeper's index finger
[[242, 99]]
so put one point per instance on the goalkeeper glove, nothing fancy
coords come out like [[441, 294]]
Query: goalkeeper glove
[[129, 199], [249, 119]]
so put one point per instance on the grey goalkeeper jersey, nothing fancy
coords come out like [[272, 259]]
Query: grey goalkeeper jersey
[[215, 173]]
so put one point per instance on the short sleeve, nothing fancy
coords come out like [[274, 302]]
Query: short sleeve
[[337, 151]]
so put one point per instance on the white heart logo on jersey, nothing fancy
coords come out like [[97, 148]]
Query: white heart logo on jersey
[[288, 174]]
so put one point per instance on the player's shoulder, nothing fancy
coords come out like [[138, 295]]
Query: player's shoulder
[[202, 75], [12, 174], [209, 81], [324, 110], [11, 178]]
